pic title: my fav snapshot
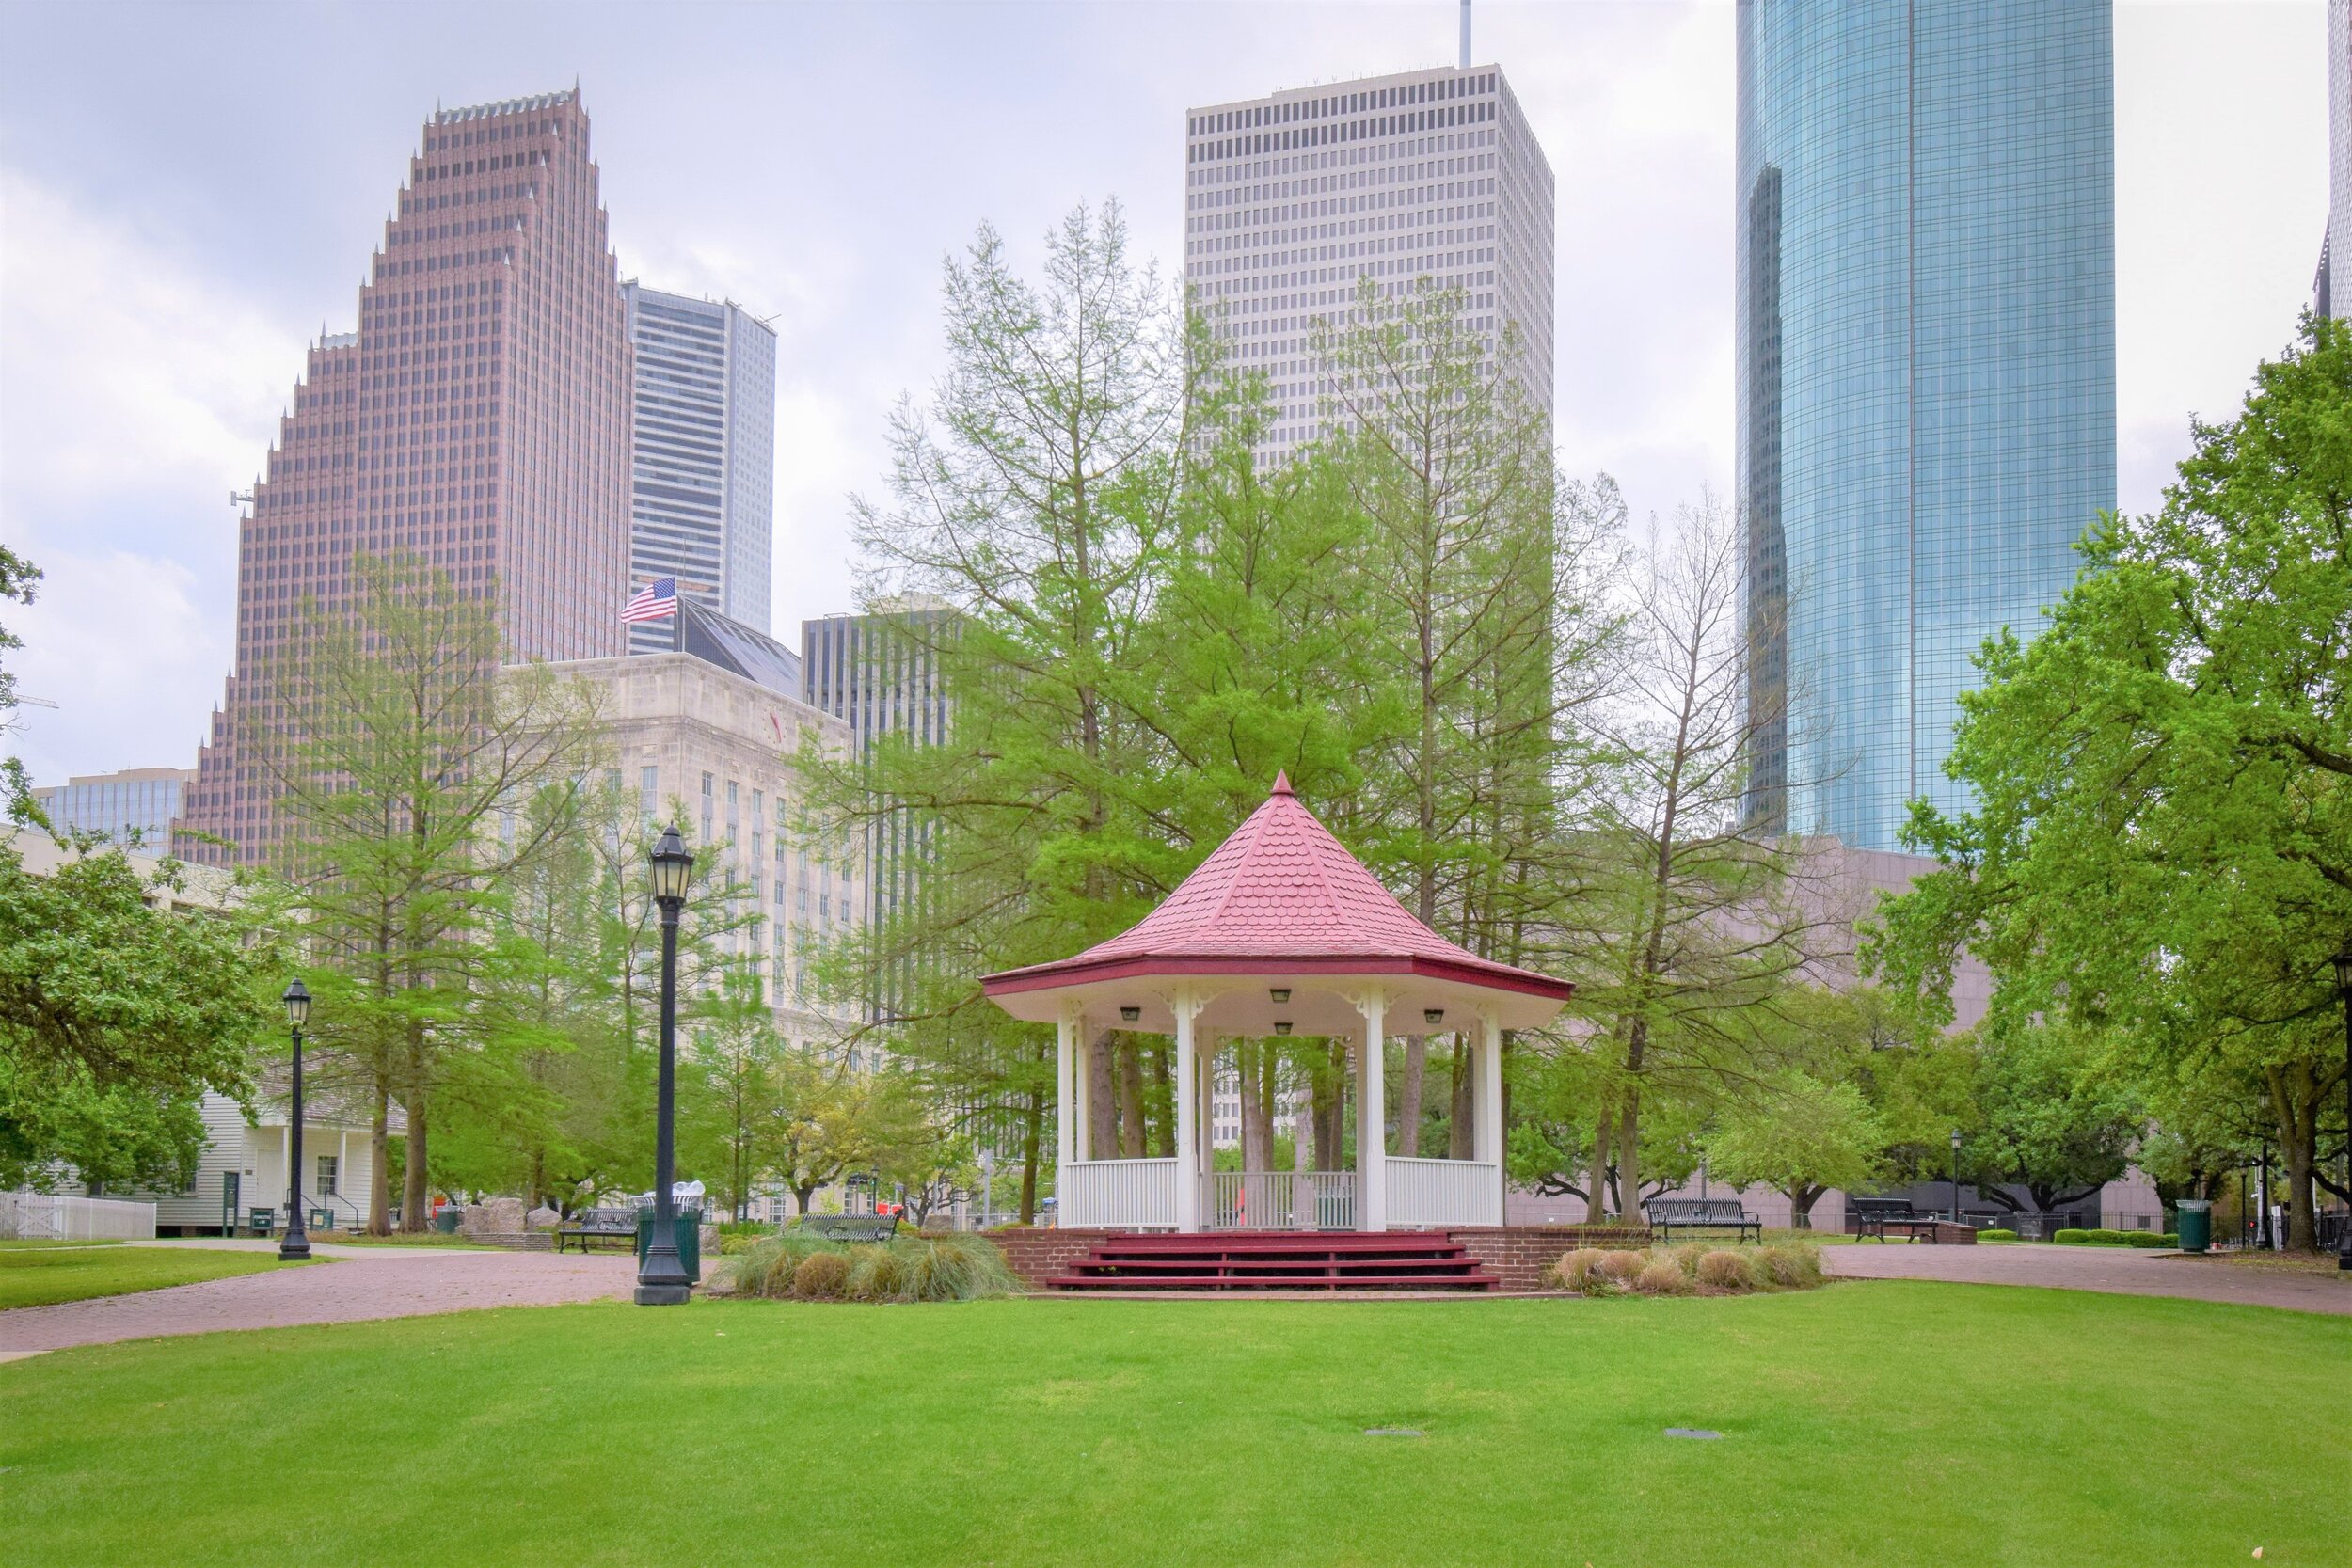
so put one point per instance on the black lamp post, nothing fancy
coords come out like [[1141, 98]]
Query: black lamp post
[[296, 1244], [661, 1278], [1955, 1176], [2344, 994]]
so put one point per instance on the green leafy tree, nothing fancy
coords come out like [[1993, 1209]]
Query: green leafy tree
[[18, 576], [1801, 1137], [116, 1017], [2162, 837]]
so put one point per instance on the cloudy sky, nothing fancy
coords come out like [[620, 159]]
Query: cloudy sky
[[190, 192]]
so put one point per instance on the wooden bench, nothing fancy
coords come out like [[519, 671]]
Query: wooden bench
[[589, 1225], [1872, 1216], [1670, 1215], [848, 1227]]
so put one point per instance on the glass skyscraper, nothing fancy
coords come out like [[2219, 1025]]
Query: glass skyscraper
[[1925, 376]]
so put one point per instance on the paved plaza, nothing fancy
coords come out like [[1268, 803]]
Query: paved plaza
[[360, 1284], [2120, 1271]]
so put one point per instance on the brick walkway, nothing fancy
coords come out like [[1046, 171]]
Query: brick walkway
[[361, 1284], [2116, 1270]]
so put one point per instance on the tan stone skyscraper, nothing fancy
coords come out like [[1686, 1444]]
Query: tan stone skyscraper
[[479, 419]]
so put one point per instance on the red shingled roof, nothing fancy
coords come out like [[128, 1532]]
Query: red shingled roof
[[1282, 891]]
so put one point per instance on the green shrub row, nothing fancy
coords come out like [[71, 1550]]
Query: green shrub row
[[2117, 1238], [795, 1267], [1995, 1233], [1692, 1269]]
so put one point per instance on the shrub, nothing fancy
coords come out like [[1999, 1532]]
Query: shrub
[[951, 1268], [1723, 1271], [1687, 1256], [1663, 1276], [820, 1277], [1793, 1266], [2104, 1237], [1575, 1269], [2071, 1238], [1995, 1233], [1619, 1267], [745, 1227]]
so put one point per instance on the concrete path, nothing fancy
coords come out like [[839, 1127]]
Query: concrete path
[[2120, 1271], [360, 1284]]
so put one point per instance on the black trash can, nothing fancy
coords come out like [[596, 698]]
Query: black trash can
[[690, 1241]]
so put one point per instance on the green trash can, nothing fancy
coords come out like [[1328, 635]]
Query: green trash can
[[690, 1240], [2194, 1221], [446, 1221]]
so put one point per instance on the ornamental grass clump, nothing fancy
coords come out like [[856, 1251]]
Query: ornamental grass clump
[[1661, 1277], [1620, 1267], [1575, 1270], [876, 1274], [822, 1276], [1795, 1265], [1723, 1271]]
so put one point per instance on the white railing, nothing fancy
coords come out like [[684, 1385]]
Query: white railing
[[1442, 1192], [43, 1216], [1137, 1192], [1279, 1200]]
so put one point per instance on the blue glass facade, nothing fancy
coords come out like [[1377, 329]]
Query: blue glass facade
[[1926, 370]]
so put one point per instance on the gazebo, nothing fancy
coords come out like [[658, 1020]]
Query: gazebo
[[1281, 931]]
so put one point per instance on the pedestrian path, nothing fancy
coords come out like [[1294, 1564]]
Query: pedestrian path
[[358, 1284], [2120, 1271]]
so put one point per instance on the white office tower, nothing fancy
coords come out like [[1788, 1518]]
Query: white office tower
[[2335, 251], [1430, 174], [701, 457]]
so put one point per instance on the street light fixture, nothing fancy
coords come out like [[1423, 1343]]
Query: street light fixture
[[294, 1246], [2344, 994], [661, 1278], [1955, 1176]]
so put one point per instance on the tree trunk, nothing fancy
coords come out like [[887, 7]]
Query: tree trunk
[[1163, 1124], [1629, 1156], [1257, 1120], [1408, 1095], [804, 1196], [1130, 1100], [1461, 1131], [380, 1162], [1801, 1201], [1032, 1146], [1596, 1183], [1102, 1109], [2295, 1098]]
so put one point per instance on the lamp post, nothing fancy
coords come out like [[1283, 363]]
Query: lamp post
[[296, 1244], [2344, 994], [1955, 1176], [661, 1278]]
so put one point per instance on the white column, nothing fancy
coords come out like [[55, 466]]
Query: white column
[[1371, 1129], [1187, 1116], [1066, 1107], [1489, 1097]]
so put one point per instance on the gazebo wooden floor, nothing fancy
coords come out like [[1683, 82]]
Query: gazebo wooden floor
[[1277, 1260]]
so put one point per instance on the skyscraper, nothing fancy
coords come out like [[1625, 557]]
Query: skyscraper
[[2335, 250], [477, 421], [138, 801], [1926, 383], [1430, 174], [703, 456]]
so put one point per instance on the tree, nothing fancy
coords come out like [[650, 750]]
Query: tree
[[1800, 1137], [816, 1129], [17, 578], [2161, 840], [738, 1083], [914, 1149], [1690, 931], [2049, 1120], [416, 781], [116, 1017]]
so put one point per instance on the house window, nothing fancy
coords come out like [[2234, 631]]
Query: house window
[[329, 1166]]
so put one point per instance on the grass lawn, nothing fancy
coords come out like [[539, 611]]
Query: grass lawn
[[37, 1277], [1881, 1423], [29, 1243]]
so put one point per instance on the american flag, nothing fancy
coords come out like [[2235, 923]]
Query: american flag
[[656, 601]]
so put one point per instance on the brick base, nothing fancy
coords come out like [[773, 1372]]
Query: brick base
[[1518, 1254]]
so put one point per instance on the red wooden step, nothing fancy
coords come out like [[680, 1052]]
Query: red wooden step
[[1275, 1282]]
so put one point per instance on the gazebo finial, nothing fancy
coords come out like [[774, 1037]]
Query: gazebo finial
[[1282, 782]]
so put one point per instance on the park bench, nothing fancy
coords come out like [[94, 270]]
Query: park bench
[[1670, 1215], [589, 1225], [848, 1227], [1872, 1216]]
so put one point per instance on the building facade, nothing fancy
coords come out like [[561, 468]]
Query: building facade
[[710, 749], [703, 456], [1428, 177], [1926, 377], [2332, 298], [136, 805], [476, 423]]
